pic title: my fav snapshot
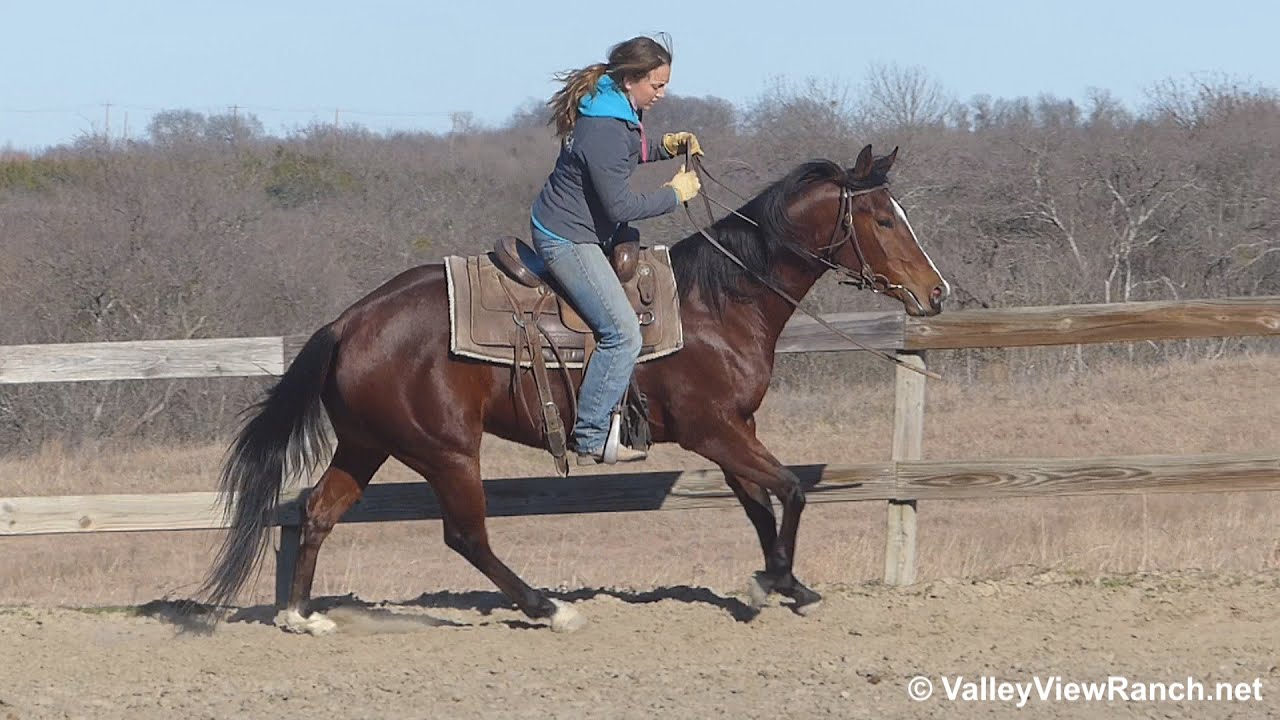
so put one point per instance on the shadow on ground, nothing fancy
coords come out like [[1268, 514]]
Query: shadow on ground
[[194, 617]]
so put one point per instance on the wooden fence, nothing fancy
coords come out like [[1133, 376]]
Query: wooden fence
[[902, 480]]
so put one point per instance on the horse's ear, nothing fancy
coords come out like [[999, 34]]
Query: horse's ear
[[881, 165], [862, 166]]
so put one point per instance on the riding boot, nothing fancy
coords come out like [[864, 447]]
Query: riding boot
[[625, 454]]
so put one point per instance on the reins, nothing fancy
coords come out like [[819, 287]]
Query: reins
[[866, 278]]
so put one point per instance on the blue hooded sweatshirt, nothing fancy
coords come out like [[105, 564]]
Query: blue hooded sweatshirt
[[587, 199]]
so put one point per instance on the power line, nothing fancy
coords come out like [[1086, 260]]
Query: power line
[[234, 107]]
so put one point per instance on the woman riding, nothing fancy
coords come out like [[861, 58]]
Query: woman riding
[[585, 206]]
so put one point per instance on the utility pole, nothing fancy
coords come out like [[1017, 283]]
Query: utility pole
[[106, 127]]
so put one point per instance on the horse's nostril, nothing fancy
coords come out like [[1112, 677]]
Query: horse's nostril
[[936, 296]]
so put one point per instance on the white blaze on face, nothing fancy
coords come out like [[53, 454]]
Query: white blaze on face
[[902, 215]]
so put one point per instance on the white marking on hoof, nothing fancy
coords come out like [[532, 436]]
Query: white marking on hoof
[[755, 591], [566, 619], [807, 610], [317, 624]]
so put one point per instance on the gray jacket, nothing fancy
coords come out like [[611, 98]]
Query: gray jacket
[[587, 199]]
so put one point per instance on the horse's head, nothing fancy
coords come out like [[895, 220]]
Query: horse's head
[[830, 218], [874, 242]]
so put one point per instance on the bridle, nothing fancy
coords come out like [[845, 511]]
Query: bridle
[[843, 232]]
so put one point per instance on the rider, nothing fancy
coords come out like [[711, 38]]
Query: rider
[[585, 206]]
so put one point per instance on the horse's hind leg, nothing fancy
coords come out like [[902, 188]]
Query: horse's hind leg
[[341, 485], [755, 500], [455, 476]]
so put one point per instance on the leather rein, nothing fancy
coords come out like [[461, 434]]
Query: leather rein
[[843, 232]]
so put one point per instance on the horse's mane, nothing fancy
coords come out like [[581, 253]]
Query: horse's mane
[[699, 264]]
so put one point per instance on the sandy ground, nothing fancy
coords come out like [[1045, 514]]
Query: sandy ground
[[683, 652]]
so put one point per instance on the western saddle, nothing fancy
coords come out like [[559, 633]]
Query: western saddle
[[503, 311]]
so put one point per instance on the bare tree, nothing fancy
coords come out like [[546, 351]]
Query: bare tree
[[903, 97], [1202, 99], [704, 115], [531, 113], [233, 128], [173, 127]]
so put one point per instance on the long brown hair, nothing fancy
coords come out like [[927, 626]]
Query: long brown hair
[[629, 60]]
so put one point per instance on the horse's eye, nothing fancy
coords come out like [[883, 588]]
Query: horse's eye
[[886, 223]]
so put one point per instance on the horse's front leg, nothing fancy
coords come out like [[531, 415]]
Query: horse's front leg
[[755, 500], [753, 472]]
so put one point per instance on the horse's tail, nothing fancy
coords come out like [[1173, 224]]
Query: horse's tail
[[284, 438]]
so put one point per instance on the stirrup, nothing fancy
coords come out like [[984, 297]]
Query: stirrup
[[614, 452], [612, 440]]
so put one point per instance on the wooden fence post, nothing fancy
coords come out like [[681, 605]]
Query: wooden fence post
[[908, 441]]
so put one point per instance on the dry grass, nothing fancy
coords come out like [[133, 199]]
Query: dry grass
[[1220, 406]]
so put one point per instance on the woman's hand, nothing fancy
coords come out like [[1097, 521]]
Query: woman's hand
[[685, 183], [678, 142]]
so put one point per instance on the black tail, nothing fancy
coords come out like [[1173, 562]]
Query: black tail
[[283, 438]]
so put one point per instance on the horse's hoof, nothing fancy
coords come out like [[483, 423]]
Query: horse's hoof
[[806, 602], [808, 608], [317, 624], [566, 619], [758, 589]]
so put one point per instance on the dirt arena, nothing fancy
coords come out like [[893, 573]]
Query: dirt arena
[[1062, 591], [672, 652]]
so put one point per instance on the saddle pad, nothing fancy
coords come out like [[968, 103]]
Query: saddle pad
[[482, 322]]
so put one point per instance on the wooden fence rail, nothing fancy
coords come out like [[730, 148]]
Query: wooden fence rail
[[681, 490], [1011, 327], [902, 480]]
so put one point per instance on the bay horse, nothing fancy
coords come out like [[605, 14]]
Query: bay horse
[[383, 373]]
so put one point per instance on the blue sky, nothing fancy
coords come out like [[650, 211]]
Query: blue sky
[[395, 64]]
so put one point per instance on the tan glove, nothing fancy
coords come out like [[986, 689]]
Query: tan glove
[[675, 143], [686, 184]]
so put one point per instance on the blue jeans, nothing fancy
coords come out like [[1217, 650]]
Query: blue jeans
[[586, 276]]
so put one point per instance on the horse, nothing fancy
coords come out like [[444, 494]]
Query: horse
[[383, 373]]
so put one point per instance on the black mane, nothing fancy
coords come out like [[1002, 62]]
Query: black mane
[[699, 264]]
